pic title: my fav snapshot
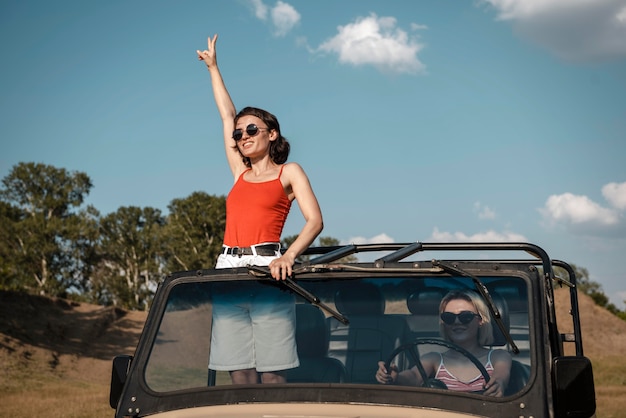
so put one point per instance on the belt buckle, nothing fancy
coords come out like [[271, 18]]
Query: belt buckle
[[235, 251]]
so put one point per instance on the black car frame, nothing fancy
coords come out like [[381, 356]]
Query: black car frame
[[352, 314]]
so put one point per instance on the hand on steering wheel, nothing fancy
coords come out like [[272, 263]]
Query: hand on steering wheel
[[429, 382]]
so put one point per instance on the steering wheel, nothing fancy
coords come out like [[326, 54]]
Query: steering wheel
[[429, 382]]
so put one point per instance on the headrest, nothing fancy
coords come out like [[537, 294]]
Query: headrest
[[360, 298], [312, 334], [425, 302]]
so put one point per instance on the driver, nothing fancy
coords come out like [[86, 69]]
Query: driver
[[464, 321]]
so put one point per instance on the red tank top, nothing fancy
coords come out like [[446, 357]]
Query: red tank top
[[255, 212]]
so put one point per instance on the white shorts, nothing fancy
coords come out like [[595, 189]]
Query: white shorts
[[253, 322], [225, 261]]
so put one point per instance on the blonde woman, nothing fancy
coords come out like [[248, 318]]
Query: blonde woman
[[464, 321]]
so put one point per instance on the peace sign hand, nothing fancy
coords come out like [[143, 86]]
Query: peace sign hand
[[209, 55]]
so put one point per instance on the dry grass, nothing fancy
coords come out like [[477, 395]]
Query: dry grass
[[604, 342], [610, 380], [611, 401], [56, 357], [53, 396]]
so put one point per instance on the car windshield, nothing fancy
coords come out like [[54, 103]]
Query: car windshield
[[391, 319]]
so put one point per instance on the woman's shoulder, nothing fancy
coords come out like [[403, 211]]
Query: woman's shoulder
[[292, 166], [500, 354], [292, 169]]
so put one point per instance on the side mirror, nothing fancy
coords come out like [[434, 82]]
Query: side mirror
[[574, 391], [121, 366]]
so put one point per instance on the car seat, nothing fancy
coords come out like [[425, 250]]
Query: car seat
[[312, 339], [369, 337]]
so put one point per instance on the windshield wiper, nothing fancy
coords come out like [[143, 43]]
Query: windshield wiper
[[299, 290], [482, 289]]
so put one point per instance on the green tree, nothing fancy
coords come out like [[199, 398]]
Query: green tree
[[131, 256], [41, 220], [83, 231], [194, 231], [10, 216]]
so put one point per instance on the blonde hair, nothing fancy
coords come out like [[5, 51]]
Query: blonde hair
[[485, 331]]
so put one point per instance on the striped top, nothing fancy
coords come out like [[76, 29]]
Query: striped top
[[453, 383]]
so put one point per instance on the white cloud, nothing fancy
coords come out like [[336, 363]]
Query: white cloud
[[283, 16], [376, 41], [521, 9], [484, 212], [260, 9], [417, 26], [578, 30], [377, 239], [487, 236], [615, 194], [571, 209]]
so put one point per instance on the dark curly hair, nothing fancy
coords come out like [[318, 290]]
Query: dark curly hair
[[279, 148]]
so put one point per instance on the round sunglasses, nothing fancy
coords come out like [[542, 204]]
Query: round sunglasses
[[464, 317], [251, 130]]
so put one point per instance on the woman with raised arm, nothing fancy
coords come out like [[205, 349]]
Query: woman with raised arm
[[256, 210]]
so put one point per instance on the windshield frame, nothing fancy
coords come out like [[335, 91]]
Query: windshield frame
[[312, 392]]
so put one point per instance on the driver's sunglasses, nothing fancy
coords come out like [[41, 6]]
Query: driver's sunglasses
[[465, 317], [251, 130]]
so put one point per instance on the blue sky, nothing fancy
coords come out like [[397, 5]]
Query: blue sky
[[426, 120]]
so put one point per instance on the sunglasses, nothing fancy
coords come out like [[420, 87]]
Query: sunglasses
[[251, 130], [464, 317]]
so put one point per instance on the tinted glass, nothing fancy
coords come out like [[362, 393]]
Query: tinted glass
[[384, 313]]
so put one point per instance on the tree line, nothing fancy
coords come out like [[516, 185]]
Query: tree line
[[54, 245], [593, 289]]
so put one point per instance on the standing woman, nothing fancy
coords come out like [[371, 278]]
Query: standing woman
[[249, 345]]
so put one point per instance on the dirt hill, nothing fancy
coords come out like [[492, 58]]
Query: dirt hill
[[56, 355], [67, 336], [71, 345], [604, 335]]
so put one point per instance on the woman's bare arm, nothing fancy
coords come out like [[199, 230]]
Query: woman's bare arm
[[297, 181], [225, 106], [501, 361]]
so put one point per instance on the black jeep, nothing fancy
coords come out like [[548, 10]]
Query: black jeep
[[352, 314]]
